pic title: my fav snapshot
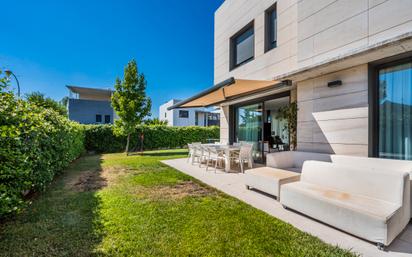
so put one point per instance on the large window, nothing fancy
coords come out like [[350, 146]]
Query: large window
[[248, 127], [242, 46], [395, 111], [183, 114], [271, 21]]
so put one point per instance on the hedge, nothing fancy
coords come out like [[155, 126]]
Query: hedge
[[101, 139], [35, 144]]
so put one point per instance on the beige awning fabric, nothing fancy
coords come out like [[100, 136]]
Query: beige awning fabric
[[226, 90]]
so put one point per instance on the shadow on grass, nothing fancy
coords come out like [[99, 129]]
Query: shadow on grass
[[63, 221]]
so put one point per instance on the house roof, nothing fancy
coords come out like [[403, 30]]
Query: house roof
[[227, 90], [88, 90]]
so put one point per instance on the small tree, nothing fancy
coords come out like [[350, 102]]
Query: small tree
[[41, 100], [130, 102]]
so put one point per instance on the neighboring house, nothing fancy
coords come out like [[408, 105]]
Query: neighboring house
[[90, 105], [347, 63], [188, 117]]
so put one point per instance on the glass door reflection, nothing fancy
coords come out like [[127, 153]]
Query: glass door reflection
[[248, 127]]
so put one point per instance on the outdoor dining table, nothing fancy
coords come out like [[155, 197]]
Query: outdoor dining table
[[228, 150]]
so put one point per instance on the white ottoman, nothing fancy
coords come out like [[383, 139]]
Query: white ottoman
[[269, 180]]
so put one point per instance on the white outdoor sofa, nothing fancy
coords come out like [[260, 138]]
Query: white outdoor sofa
[[282, 167], [293, 160], [371, 204], [375, 163]]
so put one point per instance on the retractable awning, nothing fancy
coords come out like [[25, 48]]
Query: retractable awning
[[227, 90]]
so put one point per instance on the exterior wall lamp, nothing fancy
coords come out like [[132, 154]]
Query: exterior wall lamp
[[335, 83]]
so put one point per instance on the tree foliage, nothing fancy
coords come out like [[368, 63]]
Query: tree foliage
[[35, 143], [4, 81], [130, 102], [156, 122], [102, 139], [40, 100]]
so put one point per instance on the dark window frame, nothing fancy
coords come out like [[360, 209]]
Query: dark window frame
[[232, 47], [183, 116], [105, 119], [232, 112], [268, 28], [99, 117], [373, 97]]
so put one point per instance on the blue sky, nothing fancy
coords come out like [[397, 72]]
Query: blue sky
[[50, 44]]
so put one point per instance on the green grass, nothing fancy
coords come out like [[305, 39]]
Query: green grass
[[148, 209]]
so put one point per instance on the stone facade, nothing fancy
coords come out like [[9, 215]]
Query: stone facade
[[318, 41]]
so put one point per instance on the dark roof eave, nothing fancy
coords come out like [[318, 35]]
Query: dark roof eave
[[73, 88]]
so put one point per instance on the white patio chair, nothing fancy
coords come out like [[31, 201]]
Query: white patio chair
[[197, 153], [203, 154], [244, 155], [191, 150], [214, 155]]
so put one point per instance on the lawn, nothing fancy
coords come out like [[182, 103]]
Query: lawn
[[114, 205]]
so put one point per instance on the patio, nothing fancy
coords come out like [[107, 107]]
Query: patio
[[233, 184]]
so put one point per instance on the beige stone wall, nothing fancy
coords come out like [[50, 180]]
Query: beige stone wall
[[310, 32], [233, 15], [329, 28], [334, 120], [224, 124]]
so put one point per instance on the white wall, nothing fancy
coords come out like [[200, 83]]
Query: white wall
[[329, 28], [173, 119], [313, 32], [233, 15], [334, 120], [309, 32]]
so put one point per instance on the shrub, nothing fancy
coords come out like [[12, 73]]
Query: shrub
[[100, 138], [35, 143]]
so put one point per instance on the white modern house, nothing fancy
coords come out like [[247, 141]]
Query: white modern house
[[347, 66], [346, 63], [188, 117]]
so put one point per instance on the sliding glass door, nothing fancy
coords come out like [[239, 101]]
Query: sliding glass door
[[248, 127], [395, 111]]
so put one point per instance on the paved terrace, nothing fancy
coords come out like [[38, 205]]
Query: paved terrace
[[232, 184]]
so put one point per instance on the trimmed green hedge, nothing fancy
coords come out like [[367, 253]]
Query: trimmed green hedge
[[100, 138], [35, 144]]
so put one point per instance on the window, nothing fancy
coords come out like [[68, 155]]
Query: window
[[395, 111], [165, 115], [242, 46], [183, 114], [106, 118], [98, 118], [271, 21]]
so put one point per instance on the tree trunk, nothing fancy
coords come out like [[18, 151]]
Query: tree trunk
[[127, 144]]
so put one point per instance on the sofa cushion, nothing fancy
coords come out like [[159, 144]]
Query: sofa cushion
[[380, 184], [361, 216], [293, 159], [374, 163], [269, 180], [379, 209]]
